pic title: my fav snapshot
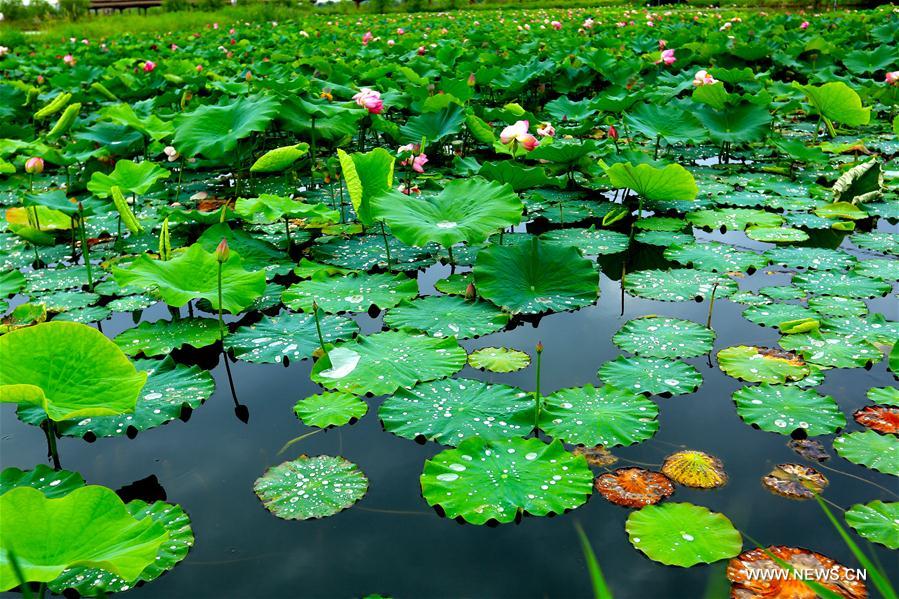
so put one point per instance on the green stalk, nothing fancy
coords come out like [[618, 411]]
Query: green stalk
[[50, 431], [318, 329], [20, 576], [85, 249], [221, 319], [386, 244], [539, 349], [312, 154], [708, 321], [287, 232], [600, 588]]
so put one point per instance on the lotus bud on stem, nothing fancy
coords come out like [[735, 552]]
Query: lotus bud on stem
[[537, 402], [222, 252], [318, 329]]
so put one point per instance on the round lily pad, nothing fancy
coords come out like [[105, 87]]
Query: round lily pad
[[776, 234], [755, 574], [364, 252], [886, 269], [811, 258], [662, 337], [761, 364], [831, 349], [310, 487], [715, 257], [678, 285], [447, 316], [591, 241], [772, 315], [161, 337], [451, 410], [883, 419], [884, 395], [695, 469], [84, 315], [605, 416], [350, 292], [783, 292], [877, 241], [844, 284], [330, 409], [455, 284], [499, 359], [733, 219], [683, 534], [784, 409], [877, 521], [651, 376], [287, 335], [499, 480], [834, 305], [871, 450], [634, 487]]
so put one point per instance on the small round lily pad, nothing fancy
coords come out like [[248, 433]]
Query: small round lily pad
[[871, 450], [761, 364], [330, 409], [499, 359]]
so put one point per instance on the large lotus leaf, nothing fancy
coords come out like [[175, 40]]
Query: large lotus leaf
[[268, 208], [670, 123], [673, 182], [311, 487], [366, 175], [535, 276], [738, 124], [877, 521], [762, 365], [451, 410], [772, 315], [499, 359], [877, 241], [715, 257], [832, 349], [605, 416], [214, 131], [69, 370], [334, 408], [870, 449], [90, 526], [836, 306], [563, 151], [683, 534], [734, 219], [874, 329], [482, 481], [678, 285], [811, 257], [878, 268], [365, 252], [845, 284], [447, 316], [292, 336], [350, 293], [468, 210], [785, 408], [256, 252], [650, 376], [383, 362], [131, 177], [662, 337], [434, 126], [592, 241], [516, 175], [193, 274], [161, 337], [836, 101], [92, 582], [50, 482], [279, 159]]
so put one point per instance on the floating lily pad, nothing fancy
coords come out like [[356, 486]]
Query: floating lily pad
[[761, 364], [877, 241], [367, 251], [784, 409], [651, 376], [383, 362], [447, 316], [678, 285], [483, 481], [287, 335], [873, 329], [831, 349], [451, 410], [776, 234], [662, 337], [695, 469], [683, 534], [499, 359], [795, 481], [773, 315], [715, 257], [783, 292], [310, 487], [50, 482], [884, 395], [161, 337], [455, 284], [733, 219], [634, 487], [844, 284], [592, 242], [810, 449], [351, 292], [877, 521], [811, 258], [834, 305], [871, 450], [330, 409], [886, 269]]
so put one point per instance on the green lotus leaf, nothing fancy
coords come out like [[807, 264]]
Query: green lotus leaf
[[535, 277], [446, 316], [50, 482], [878, 268], [268, 208], [734, 219], [467, 210], [862, 183], [311, 487], [455, 284], [88, 527], [877, 521], [451, 410], [592, 241], [811, 258], [367, 251], [836, 101], [673, 182], [773, 315], [151, 126], [193, 274], [776, 234], [434, 126], [330, 409], [844, 284], [214, 131], [517, 176], [668, 122], [256, 252], [743, 123], [884, 395], [878, 59], [499, 359], [785, 408], [381, 363], [662, 337], [836, 306], [832, 349], [131, 177], [683, 534], [650, 376], [279, 159], [350, 293], [537, 479], [678, 285], [563, 151], [605, 416], [871, 450], [663, 238], [161, 337], [715, 257], [64, 301], [874, 328], [291, 336], [11, 283], [367, 175], [69, 370], [762, 365], [877, 241]]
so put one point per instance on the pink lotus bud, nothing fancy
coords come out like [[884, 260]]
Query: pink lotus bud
[[539, 347], [418, 163], [892, 78], [613, 133], [149, 66], [34, 166], [470, 292], [222, 252]]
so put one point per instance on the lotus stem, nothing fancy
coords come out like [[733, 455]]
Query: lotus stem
[[180, 173], [708, 321], [451, 258], [85, 248], [318, 329], [50, 431], [287, 232], [221, 318], [386, 244], [17, 570], [655, 155], [537, 402], [312, 154]]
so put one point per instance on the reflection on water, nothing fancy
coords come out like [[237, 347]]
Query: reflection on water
[[391, 542]]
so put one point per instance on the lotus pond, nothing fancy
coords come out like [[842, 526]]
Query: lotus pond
[[564, 303]]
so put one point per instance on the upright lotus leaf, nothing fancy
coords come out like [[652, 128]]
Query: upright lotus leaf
[[467, 210], [451, 410], [755, 574], [634, 487], [279, 159], [871, 450], [434, 126], [605, 416], [161, 337], [695, 469], [535, 276], [761, 364], [499, 359], [214, 131], [381, 363], [287, 335], [673, 182], [683, 534], [269, 208], [836, 101], [69, 370], [660, 337], [50, 482], [785, 409], [447, 316], [351, 292], [678, 285], [151, 126], [367, 175], [193, 274], [330, 409], [651, 376], [90, 526], [311, 487], [877, 521], [795, 481], [738, 124], [131, 177], [482, 481]]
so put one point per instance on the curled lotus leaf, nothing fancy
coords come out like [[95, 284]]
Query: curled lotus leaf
[[755, 573], [663, 337], [762, 364], [634, 487], [695, 469], [883, 419], [877, 521], [795, 481], [499, 359]]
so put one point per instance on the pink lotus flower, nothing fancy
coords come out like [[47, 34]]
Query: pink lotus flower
[[546, 130], [517, 134], [69, 60], [418, 163], [367, 38], [400, 31], [199, 68], [421, 50], [34, 166], [892, 78], [556, 25], [613, 132], [703, 78], [149, 66], [370, 100], [804, 25], [471, 80], [667, 57], [390, 43], [588, 23]]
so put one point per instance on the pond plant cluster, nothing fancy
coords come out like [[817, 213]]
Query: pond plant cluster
[[267, 182]]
